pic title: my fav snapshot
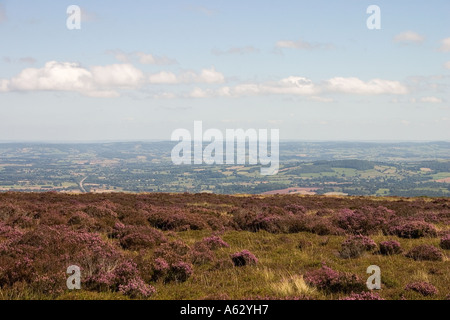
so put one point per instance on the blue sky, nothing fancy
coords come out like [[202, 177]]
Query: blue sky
[[139, 70]]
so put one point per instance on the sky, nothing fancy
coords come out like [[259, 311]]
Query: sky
[[138, 70]]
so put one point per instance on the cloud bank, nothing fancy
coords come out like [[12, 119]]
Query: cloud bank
[[110, 80]]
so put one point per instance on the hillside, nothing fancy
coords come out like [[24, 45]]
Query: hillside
[[204, 246]]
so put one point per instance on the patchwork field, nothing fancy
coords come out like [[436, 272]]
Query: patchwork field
[[204, 246], [338, 168]]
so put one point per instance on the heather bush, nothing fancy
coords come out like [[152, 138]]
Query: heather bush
[[160, 269], [125, 272], [445, 242], [263, 221], [8, 210], [413, 230], [320, 225], [9, 233], [333, 281], [390, 247], [135, 241], [53, 218], [363, 296], [46, 252], [215, 242], [281, 222], [271, 223], [80, 218], [176, 220], [179, 271], [324, 212], [202, 254], [422, 287], [133, 217], [171, 261], [22, 221], [137, 237], [244, 258], [366, 221], [355, 246], [124, 278], [48, 284], [295, 209], [136, 288], [425, 252], [172, 252], [101, 210]]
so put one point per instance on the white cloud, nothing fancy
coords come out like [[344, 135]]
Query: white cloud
[[145, 58], [235, 50], [187, 77], [117, 75], [301, 86], [109, 80], [246, 89], [224, 92], [447, 65], [163, 77], [287, 86], [210, 76], [99, 81], [4, 85], [409, 37], [292, 85], [119, 55], [431, 100], [141, 57], [357, 86], [59, 76], [300, 44], [445, 45], [199, 93]]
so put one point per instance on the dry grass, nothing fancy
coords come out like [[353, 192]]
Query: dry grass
[[292, 285]]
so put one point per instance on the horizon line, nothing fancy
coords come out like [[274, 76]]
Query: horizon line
[[165, 140]]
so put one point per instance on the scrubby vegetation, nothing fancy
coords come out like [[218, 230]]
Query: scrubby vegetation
[[203, 246]]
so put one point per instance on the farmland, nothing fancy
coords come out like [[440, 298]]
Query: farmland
[[336, 168]]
